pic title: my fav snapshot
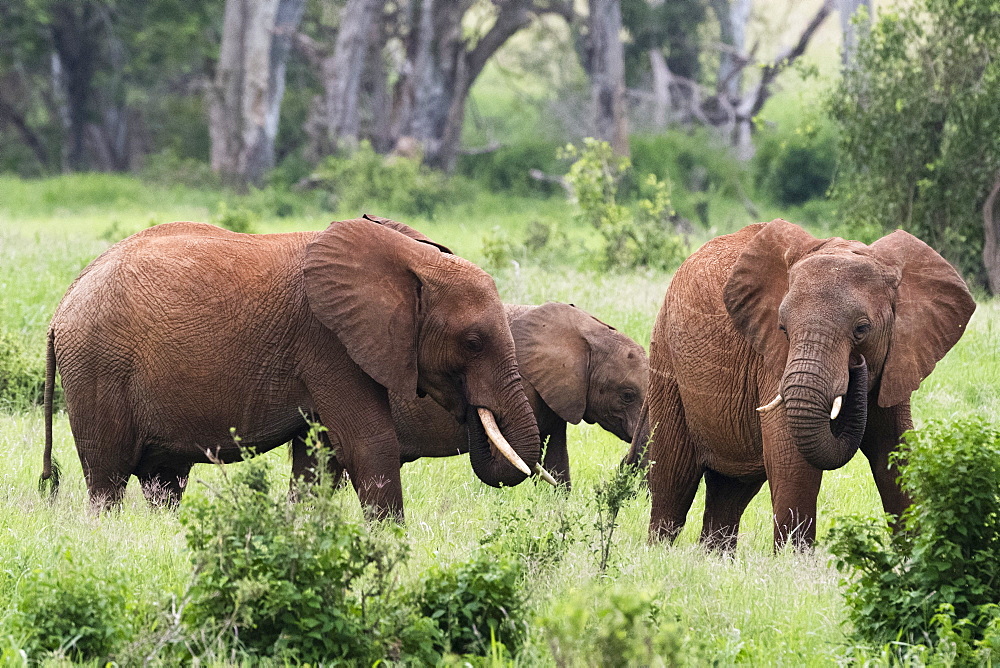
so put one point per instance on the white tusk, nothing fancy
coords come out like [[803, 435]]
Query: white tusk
[[770, 406], [545, 475], [836, 407], [499, 442]]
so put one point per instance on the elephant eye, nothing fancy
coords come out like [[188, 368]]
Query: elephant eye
[[628, 396], [862, 329], [474, 343]]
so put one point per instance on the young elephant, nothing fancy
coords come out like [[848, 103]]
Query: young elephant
[[183, 331], [831, 336], [573, 367]]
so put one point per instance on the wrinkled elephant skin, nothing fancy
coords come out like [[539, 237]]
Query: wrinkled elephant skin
[[828, 337]]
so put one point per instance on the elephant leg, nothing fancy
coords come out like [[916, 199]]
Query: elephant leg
[[675, 471], [356, 412], [164, 485], [556, 460], [725, 500], [304, 462], [883, 431], [107, 448]]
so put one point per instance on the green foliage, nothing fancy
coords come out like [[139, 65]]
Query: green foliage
[[612, 626], [640, 239], [795, 167], [609, 498], [369, 182], [73, 608], [918, 115], [22, 377], [938, 579], [508, 168], [474, 601], [674, 27], [238, 219], [295, 580]]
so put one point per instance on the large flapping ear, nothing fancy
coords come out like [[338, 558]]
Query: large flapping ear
[[758, 283], [360, 283], [405, 229], [553, 355], [933, 306]]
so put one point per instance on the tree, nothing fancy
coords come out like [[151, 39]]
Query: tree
[[605, 64], [249, 84], [850, 28], [918, 115]]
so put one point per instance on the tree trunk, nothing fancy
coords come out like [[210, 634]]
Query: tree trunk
[[733, 17], [75, 38], [851, 32], [661, 88], [606, 54], [991, 238], [249, 85], [342, 71]]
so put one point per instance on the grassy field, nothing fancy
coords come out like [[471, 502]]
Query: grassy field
[[756, 608]]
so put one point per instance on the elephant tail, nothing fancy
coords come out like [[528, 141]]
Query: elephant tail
[[50, 469]]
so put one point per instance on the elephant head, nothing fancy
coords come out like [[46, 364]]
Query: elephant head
[[582, 368], [843, 325], [422, 321]]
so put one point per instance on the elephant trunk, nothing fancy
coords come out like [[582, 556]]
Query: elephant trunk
[[517, 425], [825, 443]]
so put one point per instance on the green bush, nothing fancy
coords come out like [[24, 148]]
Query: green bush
[[937, 580], [795, 167], [508, 169], [22, 377], [640, 238], [612, 626], [474, 603], [369, 182], [290, 580], [73, 608]]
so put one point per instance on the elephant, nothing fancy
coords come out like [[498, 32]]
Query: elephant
[[185, 331], [573, 367], [829, 337]]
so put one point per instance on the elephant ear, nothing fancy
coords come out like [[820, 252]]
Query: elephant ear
[[553, 355], [933, 306], [361, 282], [405, 229], [758, 283]]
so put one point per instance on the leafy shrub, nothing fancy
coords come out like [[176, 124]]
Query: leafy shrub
[[508, 169], [539, 535], [938, 579], [795, 167], [295, 580], [609, 498], [918, 116], [612, 626], [238, 219], [631, 239], [474, 602], [74, 609], [22, 377], [167, 168], [543, 243], [369, 181]]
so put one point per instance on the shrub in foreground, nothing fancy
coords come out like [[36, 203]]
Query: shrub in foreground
[[72, 608], [292, 580], [938, 580], [477, 604]]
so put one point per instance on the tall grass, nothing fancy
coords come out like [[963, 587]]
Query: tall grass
[[755, 607]]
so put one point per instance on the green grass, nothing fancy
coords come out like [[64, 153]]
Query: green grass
[[758, 608]]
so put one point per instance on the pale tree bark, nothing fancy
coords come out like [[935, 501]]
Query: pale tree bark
[[733, 17], [443, 63], [991, 238], [852, 32], [249, 85], [606, 57], [753, 101]]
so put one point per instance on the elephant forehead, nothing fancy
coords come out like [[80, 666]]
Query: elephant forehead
[[832, 273]]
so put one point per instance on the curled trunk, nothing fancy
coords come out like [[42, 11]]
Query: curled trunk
[[519, 428], [826, 444]]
